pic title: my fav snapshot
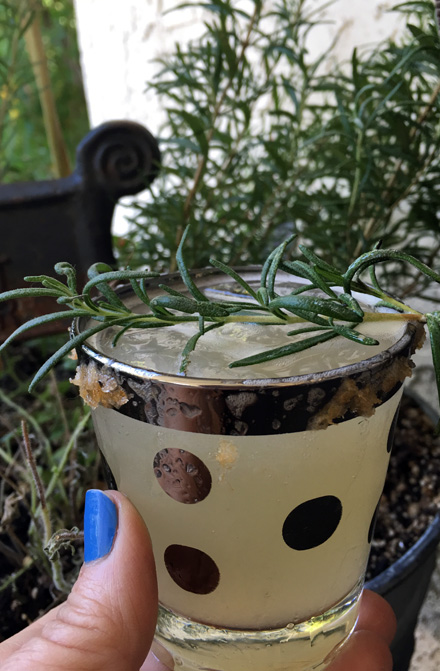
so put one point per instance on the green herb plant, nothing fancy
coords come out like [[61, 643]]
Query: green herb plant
[[47, 461], [332, 314], [264, 137]]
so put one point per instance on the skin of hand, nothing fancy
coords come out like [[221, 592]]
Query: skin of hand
[[108, 620]]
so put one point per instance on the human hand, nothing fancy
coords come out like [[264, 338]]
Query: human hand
[[108, 620], [368, 647]]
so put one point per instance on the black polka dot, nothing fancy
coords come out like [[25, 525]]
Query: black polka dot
[[390, 440], [373, 523], [182, 475], [312, 523], [191, 569]]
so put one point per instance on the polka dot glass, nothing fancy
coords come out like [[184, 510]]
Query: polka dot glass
[[261, 511]]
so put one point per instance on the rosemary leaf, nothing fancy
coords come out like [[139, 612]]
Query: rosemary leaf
[[184, 272], [303, 270], [191, 345], [308, 329], [65, 268], [28, 292], [73, 342], [285, 350], [43, 319], [315, 306], [350, 333], [235, 276], [433, 324], [183, 304], [99, 274], [274, 265], [49, 283]]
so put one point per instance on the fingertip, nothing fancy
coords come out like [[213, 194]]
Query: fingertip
[[124, 579], [376, 615], [364, 651]]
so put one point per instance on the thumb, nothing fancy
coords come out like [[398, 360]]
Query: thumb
[[109, 618]]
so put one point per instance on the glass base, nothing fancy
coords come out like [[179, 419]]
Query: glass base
[[184, 645]]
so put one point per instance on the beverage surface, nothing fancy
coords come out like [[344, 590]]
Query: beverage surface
[[160, 349]]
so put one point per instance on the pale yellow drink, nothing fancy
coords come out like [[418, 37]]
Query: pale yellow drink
[[268, 577]]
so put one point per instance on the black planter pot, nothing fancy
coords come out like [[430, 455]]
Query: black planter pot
[[404, 584]]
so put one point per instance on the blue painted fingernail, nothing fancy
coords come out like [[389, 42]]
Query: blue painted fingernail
[[100, 523]]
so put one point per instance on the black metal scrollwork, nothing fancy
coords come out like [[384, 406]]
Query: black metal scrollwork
[[121, 157]]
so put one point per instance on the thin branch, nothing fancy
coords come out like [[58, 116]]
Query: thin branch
[[203, 159], [374, 221]]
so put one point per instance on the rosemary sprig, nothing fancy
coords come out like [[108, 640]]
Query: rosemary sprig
[[325, 303]]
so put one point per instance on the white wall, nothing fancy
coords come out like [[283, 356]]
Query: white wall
[[120, 39]]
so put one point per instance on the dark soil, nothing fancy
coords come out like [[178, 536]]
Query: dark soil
[[411, 496]]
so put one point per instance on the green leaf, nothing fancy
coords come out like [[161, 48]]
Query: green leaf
[[433, 324], [171, 291], [97, 277], [65, 268], [353, 304], [139, 292], [99, 274], [235, 276], [31, 292], [303, 270], [71, 344], [186, 276], [275, 261], [308, 329], [316, 306], [278, 352], [349, 333], [49, 283], [43, 319], [263, 296], [381, 256], [317, 261], [183, 304], [191, 345], [196, 125]]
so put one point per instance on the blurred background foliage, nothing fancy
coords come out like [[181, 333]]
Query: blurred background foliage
[[24, 152], [37, 562], [264, 138]]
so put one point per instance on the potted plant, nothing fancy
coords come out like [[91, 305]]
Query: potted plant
[[283, 178], [342, 155], [404, 548], [263, 139], [305, 404]]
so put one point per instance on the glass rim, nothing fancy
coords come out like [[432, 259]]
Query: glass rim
[[368, 364]]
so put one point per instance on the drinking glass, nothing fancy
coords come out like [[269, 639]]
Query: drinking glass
[[260, 492]]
